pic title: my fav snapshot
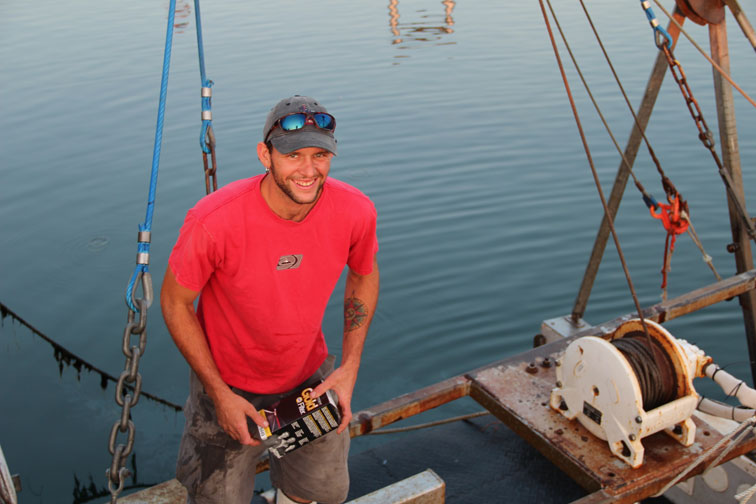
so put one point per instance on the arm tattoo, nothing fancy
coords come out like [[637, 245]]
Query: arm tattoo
[[355, 313]]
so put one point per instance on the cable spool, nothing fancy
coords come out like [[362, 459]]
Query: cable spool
[[622, 389], [652, 367]]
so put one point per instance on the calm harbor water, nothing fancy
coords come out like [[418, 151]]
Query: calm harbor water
[[452, 117]]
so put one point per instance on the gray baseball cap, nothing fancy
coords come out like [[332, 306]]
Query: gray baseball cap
[[308, 136]]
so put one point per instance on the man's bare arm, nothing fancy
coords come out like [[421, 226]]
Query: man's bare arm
[[177, 303], [360, 300]]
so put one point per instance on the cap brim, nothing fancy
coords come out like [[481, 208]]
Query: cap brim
[[294, 140]]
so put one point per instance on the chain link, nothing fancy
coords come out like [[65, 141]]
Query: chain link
[[129, 386], [705, 134], [136, 320], [210, 170]]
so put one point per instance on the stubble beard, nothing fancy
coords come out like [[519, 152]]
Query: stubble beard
[[281, 183]]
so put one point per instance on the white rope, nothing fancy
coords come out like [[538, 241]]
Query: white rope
[[729, 448], [740, 429], [694, 236], [744, 496]]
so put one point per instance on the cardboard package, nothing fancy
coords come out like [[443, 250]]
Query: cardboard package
[[298, 419]]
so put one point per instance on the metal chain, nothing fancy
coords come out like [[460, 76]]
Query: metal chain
[[136, 320], [210, 170], [704, 133], [136, 325]]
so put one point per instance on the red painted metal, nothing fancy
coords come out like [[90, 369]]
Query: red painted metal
[[703, 11]]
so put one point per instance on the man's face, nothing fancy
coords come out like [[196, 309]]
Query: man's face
[[300, 174]]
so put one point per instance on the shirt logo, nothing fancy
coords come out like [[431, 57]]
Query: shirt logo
[[289, 262]]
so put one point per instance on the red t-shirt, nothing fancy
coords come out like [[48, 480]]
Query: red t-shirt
[[265, 281]]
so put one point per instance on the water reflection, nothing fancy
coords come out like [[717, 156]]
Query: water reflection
[[182, 17], [429, 28]]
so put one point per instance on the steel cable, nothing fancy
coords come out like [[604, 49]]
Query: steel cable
[[435, 423], [652, 368], [596, 180], [667, 184]]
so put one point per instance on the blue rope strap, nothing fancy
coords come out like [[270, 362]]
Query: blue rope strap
[[659, 30], [650, 201], [207, 84], [207, 116], [143, 246]]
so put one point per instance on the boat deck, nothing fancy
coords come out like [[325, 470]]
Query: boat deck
[[520, 399], [517, 389]]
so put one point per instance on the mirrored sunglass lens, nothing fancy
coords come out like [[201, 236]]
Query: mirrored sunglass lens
[[293, 122], [325, 121]]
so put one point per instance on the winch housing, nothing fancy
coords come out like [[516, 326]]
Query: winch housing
[[598, 386]]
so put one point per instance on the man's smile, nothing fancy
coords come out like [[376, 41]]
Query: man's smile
[[304, 182]]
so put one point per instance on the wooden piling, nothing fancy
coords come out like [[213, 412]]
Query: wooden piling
[[728, 137]]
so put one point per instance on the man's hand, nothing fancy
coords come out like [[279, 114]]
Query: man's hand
[[360, 299], [342, 382], [232, 411]]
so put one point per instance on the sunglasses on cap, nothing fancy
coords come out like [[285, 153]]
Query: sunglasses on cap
[[299, 120]]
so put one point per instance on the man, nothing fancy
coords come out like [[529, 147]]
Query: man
[[263, 255]]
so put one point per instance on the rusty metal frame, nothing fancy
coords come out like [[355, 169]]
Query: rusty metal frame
[[498, 387], [518, 397], [409, 405]]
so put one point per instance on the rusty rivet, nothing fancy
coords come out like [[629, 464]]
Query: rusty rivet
[[532, 369], [546, 362], [631, 437], [638, 419], [559, 384]]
